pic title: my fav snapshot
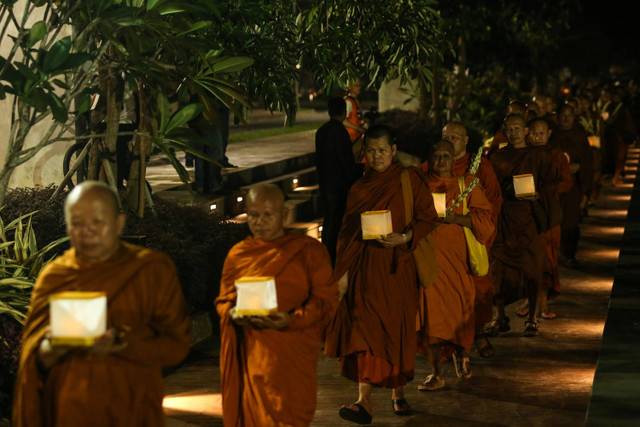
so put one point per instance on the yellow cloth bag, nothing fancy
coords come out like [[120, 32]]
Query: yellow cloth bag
[[477, 252], [424, 253]]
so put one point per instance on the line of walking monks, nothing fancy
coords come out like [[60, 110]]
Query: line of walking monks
[[372, 304]]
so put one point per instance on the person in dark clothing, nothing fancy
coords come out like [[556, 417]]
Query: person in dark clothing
[[572, 139], [337, 170]]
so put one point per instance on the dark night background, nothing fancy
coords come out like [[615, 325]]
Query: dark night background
[[602, 33]]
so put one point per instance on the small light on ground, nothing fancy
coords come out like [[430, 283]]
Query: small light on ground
[[239, 199], [213, 207]]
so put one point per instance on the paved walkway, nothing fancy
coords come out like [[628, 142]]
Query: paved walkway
[[542, 381], [247, 154]]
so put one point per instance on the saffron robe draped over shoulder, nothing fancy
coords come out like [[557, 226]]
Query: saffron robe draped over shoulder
[[373, 331], [485, 288], [518, 250], [446, 307], [121, 389], [560, 181], [269, 376]]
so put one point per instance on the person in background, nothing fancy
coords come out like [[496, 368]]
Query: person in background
[[337, 170]]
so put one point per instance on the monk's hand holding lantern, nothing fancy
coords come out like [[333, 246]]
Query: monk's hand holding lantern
[[396, 239]]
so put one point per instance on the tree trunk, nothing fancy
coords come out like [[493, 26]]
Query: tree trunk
[[136, 183]]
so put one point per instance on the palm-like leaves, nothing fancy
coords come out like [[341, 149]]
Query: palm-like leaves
[[20, 262]]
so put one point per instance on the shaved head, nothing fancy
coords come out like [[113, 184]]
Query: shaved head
[[94, 221], [458, 126], [266, 212], [264, 192], [95, 189], [456, 134], [441, 158]]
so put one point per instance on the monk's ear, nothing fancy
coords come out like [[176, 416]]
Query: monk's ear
[[394, 150], [121, 221], [549, 132]]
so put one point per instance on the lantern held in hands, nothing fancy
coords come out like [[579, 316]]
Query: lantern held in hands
[[440, 203], [376, 224], [77, 318], [524, 185], [256, 296]]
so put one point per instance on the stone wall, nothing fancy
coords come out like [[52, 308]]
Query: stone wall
[[393, 95]]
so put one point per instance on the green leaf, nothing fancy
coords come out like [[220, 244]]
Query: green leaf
[[75, 60], [230, 65], [58, 109], [183, 116], [83, 103], [57, 55], [164, 110], [197, 26], [152, 4], [36, 33], [171, 9]]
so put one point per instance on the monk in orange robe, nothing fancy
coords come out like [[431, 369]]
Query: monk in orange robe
[[353, 122], [447, 306], [117, 381], [373, 332], [560, 181], [572, 139], [456, 133], [268, 363], [518, 251]]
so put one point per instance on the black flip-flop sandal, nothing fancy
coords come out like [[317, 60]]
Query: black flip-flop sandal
[[359, 416], [403, 404]]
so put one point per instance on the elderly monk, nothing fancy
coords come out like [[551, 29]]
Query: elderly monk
[[456, 134], [518, 251], [560, 181], [268, 363], [373, 332], [446, 310], [572, 139], [117, 381]]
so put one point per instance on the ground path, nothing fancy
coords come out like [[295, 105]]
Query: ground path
[[541, 381]]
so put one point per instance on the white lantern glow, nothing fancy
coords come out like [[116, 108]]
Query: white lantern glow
[[256, 296], [77, 318], [440, 203], [524, 185], [594, 141], [376, 224]]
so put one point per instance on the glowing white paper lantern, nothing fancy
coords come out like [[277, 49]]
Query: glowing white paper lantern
[[440, 203], [77, 318], [524, 185], [594, 141], [256, 296], [376, 224]]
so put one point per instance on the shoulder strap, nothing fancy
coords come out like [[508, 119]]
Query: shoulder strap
[[407, 195]]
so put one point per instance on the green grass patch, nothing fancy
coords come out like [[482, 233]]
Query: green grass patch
[[251, 135]]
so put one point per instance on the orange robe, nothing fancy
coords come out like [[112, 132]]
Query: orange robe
[[124, 388], [561, 181], [491, 188], [269, 376], [447, 306], [518, 250], [373, 331], [354, 117]]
